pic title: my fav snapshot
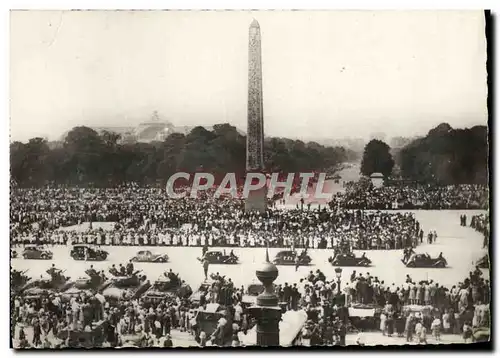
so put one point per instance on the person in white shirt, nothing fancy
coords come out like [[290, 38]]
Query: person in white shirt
[[418, 330], [56, 301], [238, 311], [446, 322], [436, 329], [383, 319]]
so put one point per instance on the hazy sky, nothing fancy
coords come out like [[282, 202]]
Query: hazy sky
[[325, 74]]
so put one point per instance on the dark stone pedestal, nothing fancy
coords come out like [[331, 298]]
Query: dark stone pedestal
[[257, 200], [268, 319]]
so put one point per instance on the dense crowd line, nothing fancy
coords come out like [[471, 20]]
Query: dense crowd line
[[467, 196], [146, 217]]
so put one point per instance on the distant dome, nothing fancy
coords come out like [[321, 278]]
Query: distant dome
[[154, 129]]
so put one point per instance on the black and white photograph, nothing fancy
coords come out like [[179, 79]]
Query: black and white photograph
[[232, 179]]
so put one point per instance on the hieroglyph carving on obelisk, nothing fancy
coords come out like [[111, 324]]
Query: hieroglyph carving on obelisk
[[255, 125]]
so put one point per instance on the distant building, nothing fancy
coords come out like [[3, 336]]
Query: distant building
[[153, 130]]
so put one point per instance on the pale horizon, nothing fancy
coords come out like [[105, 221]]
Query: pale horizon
[[326, 74]]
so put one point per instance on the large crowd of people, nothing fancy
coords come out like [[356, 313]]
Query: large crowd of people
[[408, 310], [146, 217], [481, 223], [415, 196]]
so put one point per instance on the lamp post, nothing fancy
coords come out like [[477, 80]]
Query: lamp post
[[338, 273], [266, 310]]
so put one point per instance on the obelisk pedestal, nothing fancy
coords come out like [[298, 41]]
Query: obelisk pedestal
[[257, 200]]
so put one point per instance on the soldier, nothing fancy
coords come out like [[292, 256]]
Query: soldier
[[54, 272], [171, 275], [168, 341], [114, 271], [130, 268], [320, 276], [15, 275], [206, 264], [91, 271], [22, 334], [122, 270]]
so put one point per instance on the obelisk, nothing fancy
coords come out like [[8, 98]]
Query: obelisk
[[256, 200]]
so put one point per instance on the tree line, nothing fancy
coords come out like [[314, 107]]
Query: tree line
[[88, 157], [445, 156], [448, 156]]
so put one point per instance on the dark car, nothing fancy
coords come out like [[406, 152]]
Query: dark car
[[13, 254], [484, 262], [37, 252], [424, 260], [218, 257], [289, 257], [349, 259], [148, 256], [92, 254]]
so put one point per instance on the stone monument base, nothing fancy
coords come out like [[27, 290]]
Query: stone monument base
[[257, 200]]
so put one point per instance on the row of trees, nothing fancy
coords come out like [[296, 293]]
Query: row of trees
[[444, 156], [87, 156]]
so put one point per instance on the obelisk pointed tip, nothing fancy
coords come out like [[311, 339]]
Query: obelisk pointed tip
[[254, 23]]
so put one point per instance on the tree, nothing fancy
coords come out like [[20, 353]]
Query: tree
[[170, 155], [84, 147], [377, 159], [18, 152], [447, 156]]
